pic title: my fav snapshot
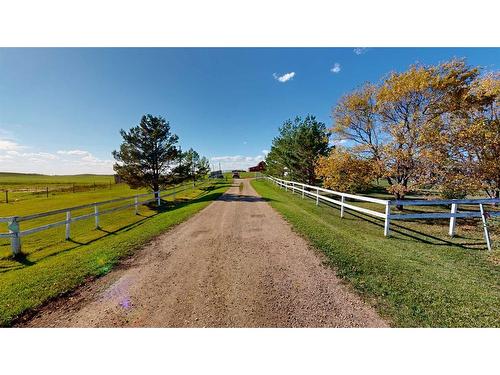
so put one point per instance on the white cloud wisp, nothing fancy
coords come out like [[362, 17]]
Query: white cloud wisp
[[285, 77]]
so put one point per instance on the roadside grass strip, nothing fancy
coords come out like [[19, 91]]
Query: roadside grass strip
[[414, 279], [28, 282]]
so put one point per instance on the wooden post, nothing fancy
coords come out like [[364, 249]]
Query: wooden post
[[453, 220], [68, 225], [485, 227], [6, 196], [317, 196], [136, 205], [47, 191], [342, 206], [387, 219], [96, 217], [15, 239]]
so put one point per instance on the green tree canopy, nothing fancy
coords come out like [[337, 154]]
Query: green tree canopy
[[295, 150], [146, 153], [191, 166]]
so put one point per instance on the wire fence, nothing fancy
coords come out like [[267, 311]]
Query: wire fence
[[9, 194]]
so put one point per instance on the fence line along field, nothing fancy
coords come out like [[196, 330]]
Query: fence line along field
[[50, 265], [15, 187], [50, 242]]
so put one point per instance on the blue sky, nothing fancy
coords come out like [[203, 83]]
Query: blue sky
[[61, 109]]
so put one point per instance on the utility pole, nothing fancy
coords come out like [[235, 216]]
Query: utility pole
[[192, 171]]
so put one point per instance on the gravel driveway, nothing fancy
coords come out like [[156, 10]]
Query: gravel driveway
[[236, 263]]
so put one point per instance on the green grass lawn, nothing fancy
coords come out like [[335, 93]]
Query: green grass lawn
[[42, 244], [416, 278], [52, 266], [33, 187]]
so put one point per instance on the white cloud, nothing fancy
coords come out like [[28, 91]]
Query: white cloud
[[7, 144], [73, 152], [61, 162], [236, 161], [360, 50], [285, 77], [336, 68], [338, 142], [265, 152]]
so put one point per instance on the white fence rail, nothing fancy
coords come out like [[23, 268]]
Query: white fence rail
[[13, 222], [315, 193]]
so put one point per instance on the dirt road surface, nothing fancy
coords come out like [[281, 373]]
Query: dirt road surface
[[236, 263]]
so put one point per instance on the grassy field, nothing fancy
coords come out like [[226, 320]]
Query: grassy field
[[43, 244], [22, 179], [52, 265], [417, 278], [21, 187]]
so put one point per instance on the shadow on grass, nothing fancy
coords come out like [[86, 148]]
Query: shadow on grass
[[22, 261]]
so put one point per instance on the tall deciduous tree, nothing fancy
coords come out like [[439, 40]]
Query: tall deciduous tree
[[411, 106], [398, 123], [473, 140], [296, 149], [146, 153]]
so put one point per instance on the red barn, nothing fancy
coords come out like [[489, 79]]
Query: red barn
[[258, 168]]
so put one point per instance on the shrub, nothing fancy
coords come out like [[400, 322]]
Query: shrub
[[343, 171]]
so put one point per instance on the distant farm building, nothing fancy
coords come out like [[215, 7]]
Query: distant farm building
[[258, 168]]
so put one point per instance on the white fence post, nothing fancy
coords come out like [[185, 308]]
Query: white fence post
[[96, 212], [387, 219], [317, 197], [15, 239], [68, 225], [342, 206], [286, 185], [158, 199], [453, 220], [136, 205], [303, 191], [485, 227]]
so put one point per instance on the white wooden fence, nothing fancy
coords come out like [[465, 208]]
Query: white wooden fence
[[315, 193], [13, 222]]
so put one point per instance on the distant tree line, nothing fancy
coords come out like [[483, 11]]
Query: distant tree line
[[149, 156], [432, 126]]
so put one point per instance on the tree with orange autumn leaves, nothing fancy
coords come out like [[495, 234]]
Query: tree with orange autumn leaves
[[344, 171], [432, 126]]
